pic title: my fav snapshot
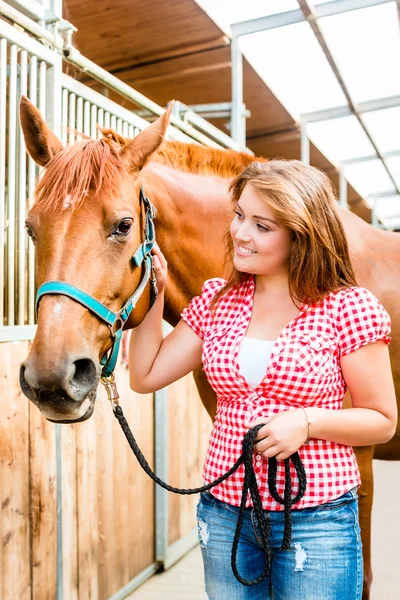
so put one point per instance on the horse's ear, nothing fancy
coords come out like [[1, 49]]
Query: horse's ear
[[40, 141], [138, 151]]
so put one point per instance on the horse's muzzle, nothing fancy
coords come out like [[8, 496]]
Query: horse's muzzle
[[64, 397]]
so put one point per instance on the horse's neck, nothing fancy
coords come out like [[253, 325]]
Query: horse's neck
[[374, 253], [193, 216]]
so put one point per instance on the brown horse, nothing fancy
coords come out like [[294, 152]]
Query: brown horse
[[87, 223]]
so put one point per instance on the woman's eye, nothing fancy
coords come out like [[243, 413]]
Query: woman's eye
[[262, 227], [123, 228], [237, 213]]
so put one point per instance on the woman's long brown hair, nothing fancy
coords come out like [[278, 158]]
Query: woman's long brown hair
[[303, 200]]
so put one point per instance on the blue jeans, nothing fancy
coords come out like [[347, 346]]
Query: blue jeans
[[324, 561]]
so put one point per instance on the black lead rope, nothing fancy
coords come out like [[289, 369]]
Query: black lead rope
[[249, 485]]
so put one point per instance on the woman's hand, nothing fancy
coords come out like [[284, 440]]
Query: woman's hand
[[160, 266], [282, 435]]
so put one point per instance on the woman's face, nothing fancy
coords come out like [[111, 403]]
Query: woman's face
[[261, 243]]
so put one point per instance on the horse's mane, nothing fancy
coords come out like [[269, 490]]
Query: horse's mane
[[96, 164], [86, 165], [202, 160]]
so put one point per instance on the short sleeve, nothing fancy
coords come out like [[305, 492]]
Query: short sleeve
[[362, 320], [197, 313]]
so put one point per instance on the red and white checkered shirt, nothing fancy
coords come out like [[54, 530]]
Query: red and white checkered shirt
[[304, 370]]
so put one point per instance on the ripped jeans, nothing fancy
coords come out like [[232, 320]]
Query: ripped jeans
[[323, 563]]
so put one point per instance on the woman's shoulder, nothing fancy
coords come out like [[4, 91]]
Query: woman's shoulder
[[354, 296], [357, 302]]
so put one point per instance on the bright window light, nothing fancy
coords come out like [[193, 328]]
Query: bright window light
[[369, 178], [388, 208], [226, 12], [293, 65], [365, 44], [341, 139], [393, 164], [384, 127]]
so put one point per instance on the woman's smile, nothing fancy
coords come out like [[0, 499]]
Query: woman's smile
[[242, 251]]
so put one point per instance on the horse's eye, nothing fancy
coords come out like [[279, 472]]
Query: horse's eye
[[124, 227], [30, 233]]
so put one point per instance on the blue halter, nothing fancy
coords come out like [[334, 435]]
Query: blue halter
[[117, 320]]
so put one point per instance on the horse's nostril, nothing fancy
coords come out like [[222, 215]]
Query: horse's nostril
[[84, 379], [25, 387]]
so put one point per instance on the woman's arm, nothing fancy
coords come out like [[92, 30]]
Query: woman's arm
[[155, 362], [372, 420]]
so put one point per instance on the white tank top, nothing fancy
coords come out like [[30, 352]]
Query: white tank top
[[254, 357]]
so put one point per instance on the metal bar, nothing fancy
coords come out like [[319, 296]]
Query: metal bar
[[161, 469], [93, 121], [71, 118], [107, 120], [134, 583], [86, 118], [304, 144], [309, 13], [238, 121], [42, 88], [374, 216], [19, 37], [264, 23], [131, 131], [343, 188], [296, 16], [113, 121], [64, 119], [211, 107], [75, 57], [341, 6], [32, 171], [21, 290], [12, 138], [387, 194], [17, 333], [53, 97], [119, 126], [202, 124], [79, 117], [100, 119], [29, 8], [344, 111], [3, 129], [125, 129], [181, 547], [102, 102]]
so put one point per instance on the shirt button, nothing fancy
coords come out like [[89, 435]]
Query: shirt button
[[258, 458]]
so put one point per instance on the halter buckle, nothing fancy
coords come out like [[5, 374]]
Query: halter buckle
[[111, 389], [117, 325]]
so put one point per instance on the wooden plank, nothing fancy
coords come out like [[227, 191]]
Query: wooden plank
[[43, 491], [108, 557], [14, 477], [189, 431], [133, 489], [87, 506], [69, 512], [136, 33]]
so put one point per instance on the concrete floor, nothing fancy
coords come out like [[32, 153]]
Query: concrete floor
[[184, 580]]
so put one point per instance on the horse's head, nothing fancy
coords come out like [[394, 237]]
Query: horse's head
[[87, 222]]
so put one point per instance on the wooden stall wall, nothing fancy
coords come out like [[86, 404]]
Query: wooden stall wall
[[107, 500], [107, 509]]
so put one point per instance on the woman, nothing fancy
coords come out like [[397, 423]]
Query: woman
[[280, 343]]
